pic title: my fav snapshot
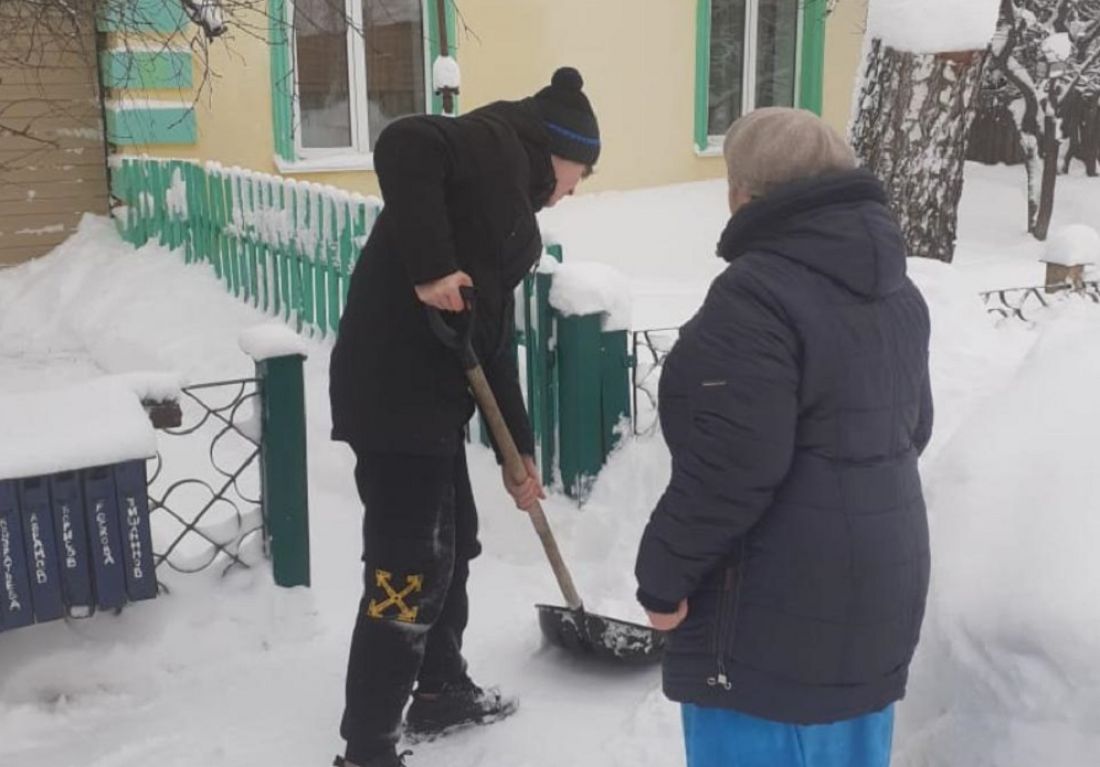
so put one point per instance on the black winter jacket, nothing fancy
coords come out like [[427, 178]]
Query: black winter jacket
[[795, 405], [460, 194]]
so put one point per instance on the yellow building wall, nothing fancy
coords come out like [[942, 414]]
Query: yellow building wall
[[638, 65], [843, 50]]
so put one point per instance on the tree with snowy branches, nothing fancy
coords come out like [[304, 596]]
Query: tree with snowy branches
[[1045, 71]]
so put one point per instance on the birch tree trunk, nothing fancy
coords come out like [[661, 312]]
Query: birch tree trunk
[[912, 120]]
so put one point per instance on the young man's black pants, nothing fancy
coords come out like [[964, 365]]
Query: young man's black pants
[[419, 534]]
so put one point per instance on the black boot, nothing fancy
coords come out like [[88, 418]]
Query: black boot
[[386, 759], [455, 706]]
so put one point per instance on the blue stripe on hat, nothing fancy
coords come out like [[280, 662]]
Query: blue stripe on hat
[[572, 134]]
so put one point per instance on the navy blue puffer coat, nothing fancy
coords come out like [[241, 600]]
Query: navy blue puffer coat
[[795, 406]]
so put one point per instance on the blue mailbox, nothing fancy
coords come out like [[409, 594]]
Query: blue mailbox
[[15, 589], [40, 548]]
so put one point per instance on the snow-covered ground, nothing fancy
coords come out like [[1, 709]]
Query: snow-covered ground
[[233, 672]]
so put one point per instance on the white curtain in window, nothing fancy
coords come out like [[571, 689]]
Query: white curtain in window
[[321, 60], [351, 86]]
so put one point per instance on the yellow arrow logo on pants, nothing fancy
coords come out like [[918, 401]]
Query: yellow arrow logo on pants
[[414, 584]]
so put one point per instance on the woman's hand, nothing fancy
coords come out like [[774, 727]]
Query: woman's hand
[[669, 621]]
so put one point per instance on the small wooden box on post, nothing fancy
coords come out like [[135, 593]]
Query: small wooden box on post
[[1068, 253]]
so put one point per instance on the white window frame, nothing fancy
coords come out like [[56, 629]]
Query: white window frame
[[359, 155], [748, 73]]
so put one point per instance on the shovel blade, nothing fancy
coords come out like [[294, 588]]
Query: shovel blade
[[583, 633]]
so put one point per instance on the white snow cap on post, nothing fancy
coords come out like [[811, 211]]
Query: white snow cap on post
[[268, 341], [446, 74], [933, 26], [1076, 245], [95, 423], [586, 287]]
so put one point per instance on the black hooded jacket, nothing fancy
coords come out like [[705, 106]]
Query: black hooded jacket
[[459, 194]]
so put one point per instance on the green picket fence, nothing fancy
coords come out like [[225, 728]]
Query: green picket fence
[[287, 247]]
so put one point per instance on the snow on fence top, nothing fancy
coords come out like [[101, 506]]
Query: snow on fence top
[[264, 342], [152, 385], [933, 26], [1076, 245], [279, 210], [92, 424], [273, 210], [586, 287]]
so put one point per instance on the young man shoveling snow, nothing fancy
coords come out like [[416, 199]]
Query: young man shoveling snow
[[460, 202]]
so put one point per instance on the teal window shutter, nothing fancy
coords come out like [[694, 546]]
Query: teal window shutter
[[812, 77], [702, 74], [282, 80]]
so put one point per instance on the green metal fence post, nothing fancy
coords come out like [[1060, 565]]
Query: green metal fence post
[[584, 382], [580, 374], [283, 469]]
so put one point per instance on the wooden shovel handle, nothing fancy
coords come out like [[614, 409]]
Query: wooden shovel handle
[[513, 464]]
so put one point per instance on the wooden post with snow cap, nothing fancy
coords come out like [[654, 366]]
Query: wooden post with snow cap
[[1068, 252], [279, 353], [593, 312]]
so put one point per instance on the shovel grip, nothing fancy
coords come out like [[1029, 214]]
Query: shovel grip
[[513, 464]]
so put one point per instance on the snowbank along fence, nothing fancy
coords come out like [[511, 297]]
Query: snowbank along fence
[[289, 248]]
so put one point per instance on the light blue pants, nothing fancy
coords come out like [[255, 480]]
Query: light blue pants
[[718, 737]]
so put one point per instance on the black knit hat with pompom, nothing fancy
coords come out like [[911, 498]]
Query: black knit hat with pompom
[[569, 119]]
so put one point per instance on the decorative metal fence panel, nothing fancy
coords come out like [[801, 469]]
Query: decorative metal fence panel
[[1023, 303], [211, 517], [649, 348]]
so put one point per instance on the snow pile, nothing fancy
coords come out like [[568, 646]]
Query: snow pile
[[95, 305], [933, 26], [76, 427], [1075, 245], [585, 287], [970, 355], [1007, 675], [446, 74], [269, 340]]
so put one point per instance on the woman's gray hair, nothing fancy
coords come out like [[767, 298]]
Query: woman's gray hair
[[777, 145]]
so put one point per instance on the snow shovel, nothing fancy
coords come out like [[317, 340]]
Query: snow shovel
[[570, 627]]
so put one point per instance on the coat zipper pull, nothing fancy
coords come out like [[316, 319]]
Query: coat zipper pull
[[721, 680]]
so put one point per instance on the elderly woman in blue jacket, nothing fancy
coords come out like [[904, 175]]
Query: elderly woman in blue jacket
[[788, 557]]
